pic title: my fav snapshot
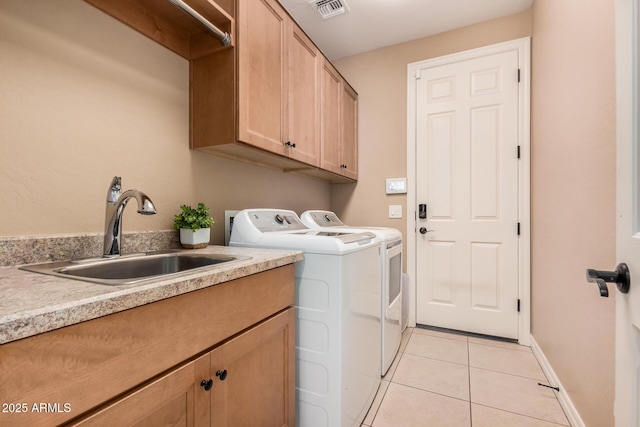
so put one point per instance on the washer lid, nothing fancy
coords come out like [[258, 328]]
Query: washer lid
[[327, 220], [353, 237], [283, 229]]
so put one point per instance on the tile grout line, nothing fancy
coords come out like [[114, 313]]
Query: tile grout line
[[437, 360], [524, 415], [399, 355], [469, 376], [505, 373], [430, 392], [503, 348], [373, 419], [392, 380], [516, 376]]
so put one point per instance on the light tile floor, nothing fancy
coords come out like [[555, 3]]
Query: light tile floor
[[448, 380]]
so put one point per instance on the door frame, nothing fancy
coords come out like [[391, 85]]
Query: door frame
[[627, 45], [523, 46]]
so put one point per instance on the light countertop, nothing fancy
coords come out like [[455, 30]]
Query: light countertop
[[32, 303]]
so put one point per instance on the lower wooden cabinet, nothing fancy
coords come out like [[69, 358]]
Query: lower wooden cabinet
[[150, 365], [175, 399], [247, 381], [259, 365]]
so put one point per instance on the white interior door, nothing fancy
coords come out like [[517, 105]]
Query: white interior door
[[467, 141], [627, 398]]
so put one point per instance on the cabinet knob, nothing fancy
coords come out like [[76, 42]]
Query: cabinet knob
[[207, 384], [222, 375]]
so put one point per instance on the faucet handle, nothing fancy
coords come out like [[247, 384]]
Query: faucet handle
[[114, 190]]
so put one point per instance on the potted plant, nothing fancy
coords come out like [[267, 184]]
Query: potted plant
[[194, 226]]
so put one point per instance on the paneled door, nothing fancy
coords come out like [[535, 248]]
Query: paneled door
[[467, 154]]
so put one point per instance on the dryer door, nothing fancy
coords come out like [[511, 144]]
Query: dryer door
[[392, 305]]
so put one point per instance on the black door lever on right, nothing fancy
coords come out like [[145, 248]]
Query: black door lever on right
[[620, 277]]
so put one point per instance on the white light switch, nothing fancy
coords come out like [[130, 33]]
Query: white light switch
[[395, 211]]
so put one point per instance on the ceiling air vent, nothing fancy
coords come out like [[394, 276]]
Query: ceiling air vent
[[329, 8]]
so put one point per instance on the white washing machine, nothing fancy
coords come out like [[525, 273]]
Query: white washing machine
[[337, 314], [391, 278]]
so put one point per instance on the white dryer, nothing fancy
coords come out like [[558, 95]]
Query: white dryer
[[391, 277], [337, 313]]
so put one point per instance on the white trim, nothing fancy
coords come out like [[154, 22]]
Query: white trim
[[523, 46], [565, 402]]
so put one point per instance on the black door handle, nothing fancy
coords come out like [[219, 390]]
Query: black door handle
[[423, 230], [620, 277]]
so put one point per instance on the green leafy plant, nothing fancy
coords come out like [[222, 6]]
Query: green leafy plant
[[193, 219]]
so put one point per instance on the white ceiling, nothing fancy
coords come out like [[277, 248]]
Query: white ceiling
[[371, 24]]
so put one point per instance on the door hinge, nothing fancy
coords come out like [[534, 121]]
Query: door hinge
[[518, 75], [518, 151], [518, 229], [518, 305], [418, 74]]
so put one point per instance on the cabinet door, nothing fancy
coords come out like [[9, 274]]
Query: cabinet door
[[349, 124], [304, 98], [262, 26], [330, 89], [175, 399], [259, 387]]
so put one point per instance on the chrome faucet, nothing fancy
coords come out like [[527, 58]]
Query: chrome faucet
[[116, 201]]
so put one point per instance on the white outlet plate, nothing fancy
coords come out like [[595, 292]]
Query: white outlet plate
[[395, 211]]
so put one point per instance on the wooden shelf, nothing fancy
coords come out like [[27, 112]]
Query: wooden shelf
[[171, 27], [242, 99]]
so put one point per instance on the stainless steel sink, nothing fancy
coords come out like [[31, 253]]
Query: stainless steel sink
[[129, 269]]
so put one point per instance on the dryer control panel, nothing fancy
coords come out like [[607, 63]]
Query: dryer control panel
[[325, 218]]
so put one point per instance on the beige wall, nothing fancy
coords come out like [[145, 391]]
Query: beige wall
[[84, 98], [573, 175], [573, 196]]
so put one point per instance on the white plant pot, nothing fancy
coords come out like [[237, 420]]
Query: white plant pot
[[195, 239]]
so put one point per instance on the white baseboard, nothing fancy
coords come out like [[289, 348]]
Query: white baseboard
[[565, 402]]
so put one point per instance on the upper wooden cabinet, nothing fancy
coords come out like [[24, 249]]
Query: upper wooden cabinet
[[339, 123], [303, 90], [330, 118], [276, 85], [267, 100], [262, 75], [349, 125]]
